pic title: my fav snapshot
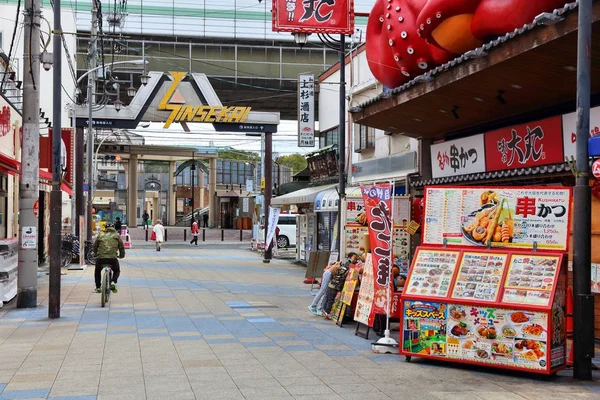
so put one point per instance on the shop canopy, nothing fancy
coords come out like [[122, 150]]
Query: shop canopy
[[527, 74], [327, 200], [301, 196]]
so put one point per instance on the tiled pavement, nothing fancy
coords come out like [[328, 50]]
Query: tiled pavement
[[216, 323]]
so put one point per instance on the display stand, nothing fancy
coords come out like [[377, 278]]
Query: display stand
[[360, 331], [478, 300]]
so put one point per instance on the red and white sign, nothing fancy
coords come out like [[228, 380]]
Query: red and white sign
[[313, 16], [527, 145], [378, 206], [569, 123], [36, 208], [596, 169], [458, 157]]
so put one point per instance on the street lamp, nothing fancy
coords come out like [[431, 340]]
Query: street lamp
[[90, 136], [339, 46]]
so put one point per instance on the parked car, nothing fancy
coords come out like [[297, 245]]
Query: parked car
[[287, 230]]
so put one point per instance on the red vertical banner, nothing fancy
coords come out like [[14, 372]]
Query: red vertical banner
[[378, 206]]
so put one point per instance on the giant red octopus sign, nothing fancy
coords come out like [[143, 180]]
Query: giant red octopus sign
[[405, 38]]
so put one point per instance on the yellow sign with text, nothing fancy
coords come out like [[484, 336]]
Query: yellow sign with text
[[194, 113], [262, 183]]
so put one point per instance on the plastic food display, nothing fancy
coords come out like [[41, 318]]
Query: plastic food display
[[499, 307]]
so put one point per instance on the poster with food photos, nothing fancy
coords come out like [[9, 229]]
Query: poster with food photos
[[366, 295], [530, 279], [432, 272], [479, 276], [401, 252], [355, 240], [498, 336]]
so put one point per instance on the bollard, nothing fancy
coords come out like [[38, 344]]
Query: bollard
[[203, 235], [146, 230], [222, 235], [241, 233], [165, 234], [185, 235]]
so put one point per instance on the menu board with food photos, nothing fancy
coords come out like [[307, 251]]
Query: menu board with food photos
[[355, 237], [432, 272], [479, 276], [530, 279], [498, 336]]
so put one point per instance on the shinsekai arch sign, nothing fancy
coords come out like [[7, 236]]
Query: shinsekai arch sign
[[179, 97]]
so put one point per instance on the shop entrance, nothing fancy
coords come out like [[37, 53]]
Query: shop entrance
[[228, 212]]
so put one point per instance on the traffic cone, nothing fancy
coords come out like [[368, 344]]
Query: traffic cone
[[569, 304]]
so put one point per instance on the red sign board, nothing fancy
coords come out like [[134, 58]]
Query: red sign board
[[527, 145], [67, 151], [596, 169], [36, 208], [313, 16], [378, 206]]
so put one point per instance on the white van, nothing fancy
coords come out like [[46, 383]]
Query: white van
[[287, 230]]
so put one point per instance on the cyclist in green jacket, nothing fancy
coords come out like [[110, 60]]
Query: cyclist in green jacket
[[107, 246]]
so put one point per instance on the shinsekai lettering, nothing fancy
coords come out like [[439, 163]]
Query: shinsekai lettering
[[185, 113]]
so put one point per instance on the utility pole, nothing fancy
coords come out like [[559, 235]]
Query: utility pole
[[342, 141], [56, 195], [583, 339], [30, 159], [92, 54], [268, 171]]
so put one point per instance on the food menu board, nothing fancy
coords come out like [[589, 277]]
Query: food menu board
[[356, 215], [401, 246], [498, 217], [498, 336], [479, 276], [355, 238], [432, 272], [530, 279]]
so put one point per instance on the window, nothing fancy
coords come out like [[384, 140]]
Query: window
[[364, 138], [330, 137]]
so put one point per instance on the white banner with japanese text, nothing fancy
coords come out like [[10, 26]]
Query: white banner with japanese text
[[458, 157], [306, 110], [273, 220]]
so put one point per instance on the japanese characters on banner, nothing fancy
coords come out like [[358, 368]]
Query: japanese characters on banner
[[378, 206], [481, 334], [313, 16], [364, 313], [458, 157], [306, 110], [569, 126], [499, 217], [525, 145], [273, 220]]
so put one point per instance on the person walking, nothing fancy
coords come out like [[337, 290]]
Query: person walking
[[195, 233], [145, 218], [205, 220], [159, 234]]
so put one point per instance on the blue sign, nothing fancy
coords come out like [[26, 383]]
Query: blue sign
[[86, 187]]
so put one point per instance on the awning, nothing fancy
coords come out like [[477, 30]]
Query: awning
[[327, 201], [301, 196], [9, 165]]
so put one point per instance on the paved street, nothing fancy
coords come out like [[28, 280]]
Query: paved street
[[216, 323]]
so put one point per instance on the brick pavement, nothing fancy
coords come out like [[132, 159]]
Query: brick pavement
[[216, 323]]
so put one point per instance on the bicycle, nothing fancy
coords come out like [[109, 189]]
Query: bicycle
[[70, 248], [105, 286]]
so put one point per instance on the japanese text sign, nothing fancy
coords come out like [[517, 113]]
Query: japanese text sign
[[458, 157], [526, 145], [306, 110], [313, 16], [498, 217], [378, 205]]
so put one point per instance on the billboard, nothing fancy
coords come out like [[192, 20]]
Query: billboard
[[313, 16]]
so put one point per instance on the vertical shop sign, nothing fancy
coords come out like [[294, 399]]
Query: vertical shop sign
[[273, 219], [378, 206], [306, 110], [569, 122], [364, 312], [313, 16], [525, 145], [458, 157]]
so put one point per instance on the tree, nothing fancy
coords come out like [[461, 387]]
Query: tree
[[297, 162], [239, 155]]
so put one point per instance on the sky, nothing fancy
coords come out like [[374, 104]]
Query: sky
[[285, 141]]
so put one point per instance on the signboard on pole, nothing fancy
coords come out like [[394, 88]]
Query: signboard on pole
[[313, 16], [306, 110], [29, 237], [509, 217]]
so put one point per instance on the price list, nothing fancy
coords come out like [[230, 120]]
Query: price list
[[479, 276], [432, 273]]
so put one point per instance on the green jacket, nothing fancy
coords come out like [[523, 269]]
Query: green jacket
[[108, 244]]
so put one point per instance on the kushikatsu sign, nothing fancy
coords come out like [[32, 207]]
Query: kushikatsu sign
[[313, 16], [509, 217]]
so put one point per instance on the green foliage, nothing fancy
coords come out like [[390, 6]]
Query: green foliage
[[239, 155], [297, 162], [156, 167]]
